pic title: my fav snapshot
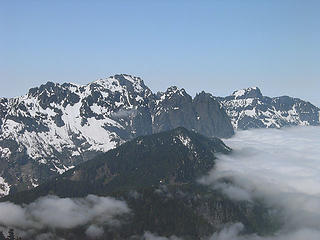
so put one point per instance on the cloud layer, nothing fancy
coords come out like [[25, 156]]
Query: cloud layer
[[52, 212], [280, 166]]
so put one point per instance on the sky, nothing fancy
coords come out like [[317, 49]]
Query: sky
[[216, 46]]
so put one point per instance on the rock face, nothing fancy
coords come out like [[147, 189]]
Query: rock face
[[54, 127], [248, 108], [175, 108]]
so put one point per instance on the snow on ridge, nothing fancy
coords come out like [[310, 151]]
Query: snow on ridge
[[5, 152], [244, 91], [136, 81], [169, 93], [239, 93], [249, 111], [62, 170], [110, 83], [4, 187], [43, 144], [185, 140], [113, 84]]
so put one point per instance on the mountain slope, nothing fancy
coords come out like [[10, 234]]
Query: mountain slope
[[173, 157], [157, 177], [248, 108], [57, 126]]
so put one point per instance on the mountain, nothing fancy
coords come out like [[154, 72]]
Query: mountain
[[55, 127], [175, 108], [172, 157], [248, 108], [157, 177]]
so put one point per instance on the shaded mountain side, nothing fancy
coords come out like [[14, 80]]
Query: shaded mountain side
[[173, 157], [157, 176], [175, 108]]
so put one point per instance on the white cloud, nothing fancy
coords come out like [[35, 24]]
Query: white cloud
[[233, 231], [124, 113], [152, 236], [94, 231], [62, 213], [280, 166]]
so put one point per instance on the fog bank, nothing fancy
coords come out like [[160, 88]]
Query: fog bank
[[52, 213], [280, 166]]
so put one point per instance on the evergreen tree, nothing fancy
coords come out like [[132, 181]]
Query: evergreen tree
[[11, 234], [2, 237]]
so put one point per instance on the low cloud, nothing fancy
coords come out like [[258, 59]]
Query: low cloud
[[52, 212], [125, 113], [94, 231], [282, 167], [152, 236], [233, 232]]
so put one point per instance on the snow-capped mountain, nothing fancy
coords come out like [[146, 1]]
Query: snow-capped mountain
[[57, 126], [248, 108], [54, 127]]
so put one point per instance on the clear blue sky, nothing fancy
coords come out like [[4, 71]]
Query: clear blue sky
[[216, 46]]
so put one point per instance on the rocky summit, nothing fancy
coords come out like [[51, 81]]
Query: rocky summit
[[54, 127]]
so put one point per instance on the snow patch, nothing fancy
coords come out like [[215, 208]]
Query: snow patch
[[4, 187], [239, 93], [5, 152], [186, 141], [62, 170]]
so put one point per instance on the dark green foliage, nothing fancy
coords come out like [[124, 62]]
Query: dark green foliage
[[11, 235]]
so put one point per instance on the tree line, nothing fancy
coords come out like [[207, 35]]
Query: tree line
[[10, 236]]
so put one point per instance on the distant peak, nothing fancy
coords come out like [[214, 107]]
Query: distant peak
[[175, 89], [203, 94], [48, 86], [172, 92], [119, 80], [127, 77], [121, 77], [251, 92]]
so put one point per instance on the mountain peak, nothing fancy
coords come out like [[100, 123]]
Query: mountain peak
[[251, 92], [48, 86], [175, 89], [172, 92], [118, 81], [203, 94]]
